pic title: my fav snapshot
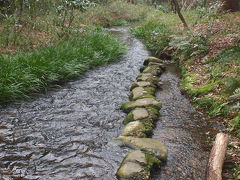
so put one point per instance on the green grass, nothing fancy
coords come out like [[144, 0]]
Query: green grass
[[230, 54], [154, 33], [24, 74]]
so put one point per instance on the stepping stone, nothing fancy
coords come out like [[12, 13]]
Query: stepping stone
[[130, 171], [136, 156], [154, 70], [137, 165], [152, 146], [152, 59], [140, 113], [140, 92], [134, 128], [142, 84], [148, 77], [145, 102]]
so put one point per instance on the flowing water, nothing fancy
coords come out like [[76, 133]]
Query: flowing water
[[182, 129], [65, 133]]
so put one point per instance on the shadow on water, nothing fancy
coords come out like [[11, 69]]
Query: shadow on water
[[66, 133]]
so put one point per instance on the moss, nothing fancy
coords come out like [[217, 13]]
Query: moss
[[150, 90], [125, 105], [148, 127], [195, 91], [152, 161], [142, 68], [205, 89], [128, 118], [153, 110]]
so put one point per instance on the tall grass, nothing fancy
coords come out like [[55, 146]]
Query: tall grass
[[24, 74]]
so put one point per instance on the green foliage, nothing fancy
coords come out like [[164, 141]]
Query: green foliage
[[114, 13], [189, 46], [235, 125], [31, 73], [230, 54], [231, 84], [154, 33], [211, 12]]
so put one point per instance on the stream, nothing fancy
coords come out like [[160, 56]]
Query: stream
[[67, 133]]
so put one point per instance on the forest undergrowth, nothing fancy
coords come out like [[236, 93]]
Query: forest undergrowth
[[50, 42], [209, 57]]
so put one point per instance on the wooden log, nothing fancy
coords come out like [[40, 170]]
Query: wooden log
[[217, 156]]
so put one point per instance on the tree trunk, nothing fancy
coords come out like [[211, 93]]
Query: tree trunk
[[217, 156], [180, 14]]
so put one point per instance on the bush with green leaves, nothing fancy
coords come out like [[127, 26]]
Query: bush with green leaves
[[154, 33], [189, 46]]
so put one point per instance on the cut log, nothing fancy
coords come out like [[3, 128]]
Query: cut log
[[217, 156]]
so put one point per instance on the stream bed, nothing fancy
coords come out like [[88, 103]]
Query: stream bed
[[67, 133]]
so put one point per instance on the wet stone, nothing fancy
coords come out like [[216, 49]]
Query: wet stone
[[154, 70], [152, 146], [145, 102], [136, 156], [137, 165], [140, 113], [148, 77], [140, 92], [152, 59], [142, 84], [131, 170], [135, 128]]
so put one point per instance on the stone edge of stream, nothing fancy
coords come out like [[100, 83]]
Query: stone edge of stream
[[143, 109]]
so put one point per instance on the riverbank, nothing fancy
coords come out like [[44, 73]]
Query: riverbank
[[44, 49], [209, 59]]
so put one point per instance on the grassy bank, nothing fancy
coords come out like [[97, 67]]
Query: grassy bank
[[51, 42], [29, 73], [209, 57]]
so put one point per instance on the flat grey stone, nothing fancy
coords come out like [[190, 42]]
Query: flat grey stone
[[140, 113], [132, 128], [149, 145]]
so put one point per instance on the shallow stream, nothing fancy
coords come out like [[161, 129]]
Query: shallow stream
[[67, 133]]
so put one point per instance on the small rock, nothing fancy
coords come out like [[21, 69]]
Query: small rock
[[140, 113], [137, 165], [149, 145], [130, 171], [133, 128], [136, 156], [145, 102], [148, 77], [152, 59], [140, 92], [142, 84], [154, 70]]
